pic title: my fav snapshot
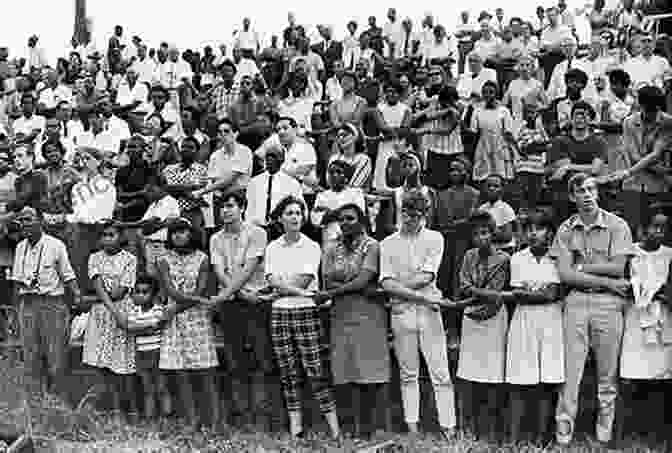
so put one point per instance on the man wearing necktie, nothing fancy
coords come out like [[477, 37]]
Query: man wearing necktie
[[267, 189]]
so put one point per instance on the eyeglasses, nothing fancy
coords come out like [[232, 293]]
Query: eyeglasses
[[225, 131]]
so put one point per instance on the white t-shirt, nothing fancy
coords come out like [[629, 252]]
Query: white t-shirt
[[646, 71], [93, 200], [163, 209], [289, 260]]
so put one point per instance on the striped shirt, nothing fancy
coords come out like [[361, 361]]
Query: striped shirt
[[139, 318], [440, 143], [531, 142]]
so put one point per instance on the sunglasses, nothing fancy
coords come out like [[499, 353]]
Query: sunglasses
[[225, 131]]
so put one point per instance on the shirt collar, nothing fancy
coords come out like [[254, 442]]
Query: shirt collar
[[600, 221]]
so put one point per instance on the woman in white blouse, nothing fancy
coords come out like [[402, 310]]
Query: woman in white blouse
[[93, 200], [291, 267]]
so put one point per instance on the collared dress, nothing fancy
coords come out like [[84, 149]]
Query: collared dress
[[483, 343], [106, 344], [493, 156], [359, 323], [535, 351], [188, 340]]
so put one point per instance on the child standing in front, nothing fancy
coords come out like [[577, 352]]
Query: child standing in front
[[484, 276], [144, 321], [535, 362]]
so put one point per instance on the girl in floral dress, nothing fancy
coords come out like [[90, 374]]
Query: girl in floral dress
[[188, 344], [107, 346]]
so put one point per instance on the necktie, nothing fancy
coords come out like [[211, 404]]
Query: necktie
[[269, 193], [408, 37]]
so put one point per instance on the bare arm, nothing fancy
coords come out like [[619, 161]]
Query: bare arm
[[546, 295], [614, 268], [183, 300], [396, 289], [573, 277], [105, 298], [221, 183], [238, 280], [296, 287]]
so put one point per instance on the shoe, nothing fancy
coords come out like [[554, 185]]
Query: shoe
[[563, 433], [448, 434]]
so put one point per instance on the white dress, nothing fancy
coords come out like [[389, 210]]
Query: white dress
[[647, 338], [393, 116], [535, 351]]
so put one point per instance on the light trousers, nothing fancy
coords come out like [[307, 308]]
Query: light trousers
[[592, 320], [420, 329]]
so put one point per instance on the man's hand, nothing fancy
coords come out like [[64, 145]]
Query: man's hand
[[560, 173], [321, 297], [620, 287]]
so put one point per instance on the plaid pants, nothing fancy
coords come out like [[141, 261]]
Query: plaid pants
[[45, 323], [296, 334]]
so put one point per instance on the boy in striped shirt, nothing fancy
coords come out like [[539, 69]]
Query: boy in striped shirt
[[145, 320]]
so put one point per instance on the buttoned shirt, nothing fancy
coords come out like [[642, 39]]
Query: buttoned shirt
[[128, 96], [257, 194], [638, 141], [404, 256], [607, 238], [223, 98], [171, 73], [230, 251], [45, 263], [50, 97]]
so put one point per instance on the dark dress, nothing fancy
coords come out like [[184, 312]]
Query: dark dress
[[359, 323]]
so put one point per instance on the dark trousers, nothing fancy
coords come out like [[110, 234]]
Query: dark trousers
[[45, 323]]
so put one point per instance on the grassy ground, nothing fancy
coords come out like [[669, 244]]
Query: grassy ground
[[59, 428]]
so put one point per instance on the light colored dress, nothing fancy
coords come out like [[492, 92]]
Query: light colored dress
[[360, 352], [493, 155], [647, 338], [106, 345], [535, 353], [483, 343], [393, 116], [188, 340]]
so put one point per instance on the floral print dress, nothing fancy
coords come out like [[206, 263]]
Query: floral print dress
[[188, 340], [106, 345]]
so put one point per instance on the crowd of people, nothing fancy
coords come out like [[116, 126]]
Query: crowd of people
[[499, 190]]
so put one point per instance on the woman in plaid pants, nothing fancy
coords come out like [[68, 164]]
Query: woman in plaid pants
[[291, 267]]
